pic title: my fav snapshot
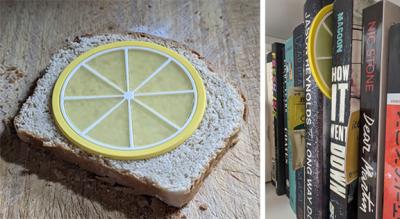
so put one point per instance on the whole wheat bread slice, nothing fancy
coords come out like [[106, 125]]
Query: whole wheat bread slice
[[174, 177]]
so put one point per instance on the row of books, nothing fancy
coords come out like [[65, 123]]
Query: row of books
[[340, 157]]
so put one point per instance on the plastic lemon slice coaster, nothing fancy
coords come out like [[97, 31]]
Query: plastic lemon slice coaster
[[129, 100], [320, 49]]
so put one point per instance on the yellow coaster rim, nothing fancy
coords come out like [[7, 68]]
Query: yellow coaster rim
[[92, 148], [311, 47]]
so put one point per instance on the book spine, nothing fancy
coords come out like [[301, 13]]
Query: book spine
[[315, 185], [289, 71], [391, 191], [369, 108], [327, 2], [275, 116], [270, 121], [296, 131], [299, 148], [279, 116], [345, 111], [285, 100]]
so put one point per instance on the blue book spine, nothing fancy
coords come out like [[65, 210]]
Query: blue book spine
[[298, 149]]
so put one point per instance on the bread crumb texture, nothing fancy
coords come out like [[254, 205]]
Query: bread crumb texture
[[12, 91], [176, 171]]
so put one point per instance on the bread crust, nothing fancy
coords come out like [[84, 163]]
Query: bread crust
[[139, 186]]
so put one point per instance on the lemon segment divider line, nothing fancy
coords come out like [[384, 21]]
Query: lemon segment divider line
[[94, 72], [101, 118], [164, 93], [158, 70], [327, 28], [126, 68], [130, 115], [92, 97], [324, 57], [157, 114]]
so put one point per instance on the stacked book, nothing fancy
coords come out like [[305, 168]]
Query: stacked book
[[337, 150]]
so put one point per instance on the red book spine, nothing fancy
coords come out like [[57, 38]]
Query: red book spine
[[391, 189], [391, 201]]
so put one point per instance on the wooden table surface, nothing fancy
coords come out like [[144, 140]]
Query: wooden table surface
[[34, 184]]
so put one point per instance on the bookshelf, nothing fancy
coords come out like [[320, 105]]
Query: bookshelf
[[278, 206], [276, 32], [282, 17]]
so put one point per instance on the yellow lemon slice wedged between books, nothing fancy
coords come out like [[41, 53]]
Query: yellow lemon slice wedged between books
[[320, 49], [129, 100]]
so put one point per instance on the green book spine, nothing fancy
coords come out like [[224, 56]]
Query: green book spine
[[289, 117]]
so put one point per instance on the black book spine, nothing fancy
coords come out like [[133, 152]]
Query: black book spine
[[271, 136], [317, 132], [369, 118], [279, 116], [298, 51], [345, 114], [327, 2]]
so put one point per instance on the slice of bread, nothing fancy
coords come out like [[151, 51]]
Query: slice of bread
[[174, 177]]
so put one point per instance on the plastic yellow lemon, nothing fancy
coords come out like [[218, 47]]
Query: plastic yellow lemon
[[129, 100], [320, 49]]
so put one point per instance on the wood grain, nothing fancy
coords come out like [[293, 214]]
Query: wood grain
[[34, 184]]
